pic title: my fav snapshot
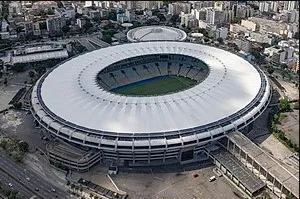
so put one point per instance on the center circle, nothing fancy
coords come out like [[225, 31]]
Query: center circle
[[152, 75]]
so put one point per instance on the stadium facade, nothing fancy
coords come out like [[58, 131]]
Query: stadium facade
[[75, 101]]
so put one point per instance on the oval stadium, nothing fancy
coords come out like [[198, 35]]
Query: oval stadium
[[150, 103], [155, 33]]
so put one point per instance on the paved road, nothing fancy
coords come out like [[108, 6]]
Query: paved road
[[36, 181], [5, 179]]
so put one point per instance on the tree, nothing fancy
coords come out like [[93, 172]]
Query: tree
[[284, 66], [174, 19], [23, 146], [5, 81], [3, 144], [220, 40], [60, 4], [72, 186], [31, 74], [283, 105], [112, 15], [161, 17], [296, 35], [91, 195], [107, 39], [81, 189], [1, 64], [18, 105], [270, 70], [65, 29]]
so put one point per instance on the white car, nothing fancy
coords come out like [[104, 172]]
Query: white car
[[9, 184], [28, 179]]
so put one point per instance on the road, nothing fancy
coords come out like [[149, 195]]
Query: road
[[20, 174], [5, 179]]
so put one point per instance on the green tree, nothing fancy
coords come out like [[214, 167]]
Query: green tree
[[107, 39], [3, 144], [270, 70], [81, 190], [31, 74], [220, 40], [60, 4], [23, 146], [283, 105], [17, 105], [91, 195], [174, 19], [72, 187], [112, 15]]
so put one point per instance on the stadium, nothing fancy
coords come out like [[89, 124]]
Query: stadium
[[155, 33], [150, 103]]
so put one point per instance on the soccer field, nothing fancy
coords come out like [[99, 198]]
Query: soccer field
[[156, 86]]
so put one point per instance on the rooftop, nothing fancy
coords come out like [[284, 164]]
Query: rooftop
[[155, 33], [284, 173]]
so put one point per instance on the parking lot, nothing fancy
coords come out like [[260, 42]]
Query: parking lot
[[166, 183]]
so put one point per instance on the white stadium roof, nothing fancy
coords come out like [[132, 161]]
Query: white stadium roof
[[70, 91], [156, 33]]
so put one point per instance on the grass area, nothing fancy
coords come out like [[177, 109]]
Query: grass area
[[156, 86]]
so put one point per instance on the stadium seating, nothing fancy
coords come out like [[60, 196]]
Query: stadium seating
[[145, 67]]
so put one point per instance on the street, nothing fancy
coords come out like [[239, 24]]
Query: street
[[36, 182]]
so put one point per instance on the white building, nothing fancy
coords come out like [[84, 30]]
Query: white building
[[81, 22], [36, 28], [221, 33], [249, 25], [4, 26], [189, 20], [214, 16], [291, 5], [243, 44], [178, 7], [242, 11], [14, 8]]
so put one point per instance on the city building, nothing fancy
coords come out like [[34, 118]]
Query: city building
[[188, 20], [36, 28], [14, 8], [262, 37], [242, 11], [221, 32], [55, 24], [178, 7], [80, 22], [268, 6], [214, 17], [249, 25], [291, 5], [243, 44]]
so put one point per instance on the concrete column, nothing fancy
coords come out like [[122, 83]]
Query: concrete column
[[228, 141], [273, 183], [233, 150], [265, 176]]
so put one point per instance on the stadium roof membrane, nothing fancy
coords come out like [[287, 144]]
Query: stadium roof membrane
[[156, 33], [70, 91]]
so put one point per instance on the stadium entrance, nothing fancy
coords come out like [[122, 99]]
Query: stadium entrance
[[186, 156]]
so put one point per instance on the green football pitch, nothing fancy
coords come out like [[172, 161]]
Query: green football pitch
[[156, 86]]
